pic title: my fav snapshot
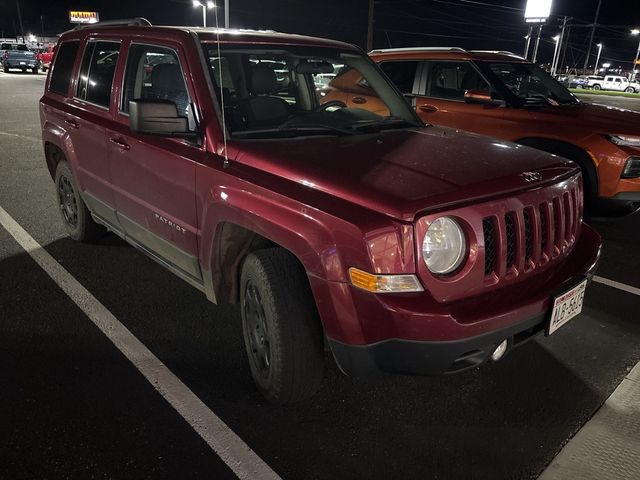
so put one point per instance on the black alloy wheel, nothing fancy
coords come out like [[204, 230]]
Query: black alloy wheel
[[257, 331], [68, 202]]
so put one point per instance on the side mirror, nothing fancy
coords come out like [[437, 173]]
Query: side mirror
[[158, 117], [482, 97]]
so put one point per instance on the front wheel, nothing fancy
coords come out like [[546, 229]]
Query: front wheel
[[282, 332], [75, 214], [629, 90]]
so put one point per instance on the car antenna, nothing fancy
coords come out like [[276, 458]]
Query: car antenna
[[224, 122]]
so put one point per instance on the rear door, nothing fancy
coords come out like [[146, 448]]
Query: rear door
[[441, 97], [153, 176], [88, 120]]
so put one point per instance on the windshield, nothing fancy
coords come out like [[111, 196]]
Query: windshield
[[14, 46], [529, 85], [286, 91]]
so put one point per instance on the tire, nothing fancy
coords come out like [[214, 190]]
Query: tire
[[597, 87], [629, 90], [282, 332], [73, 211]]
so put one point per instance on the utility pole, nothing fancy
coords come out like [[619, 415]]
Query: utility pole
[[226, 13], [370, 27], [42, 24], [593, 32], [20, 19]]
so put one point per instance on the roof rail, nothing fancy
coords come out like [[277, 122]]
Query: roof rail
[[501, 52], [125, 22], [419, 49]]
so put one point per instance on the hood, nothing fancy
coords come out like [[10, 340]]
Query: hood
[[599, 119], [402, 173]]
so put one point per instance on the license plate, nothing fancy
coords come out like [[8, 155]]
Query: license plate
[[23, 63], [567, 306]]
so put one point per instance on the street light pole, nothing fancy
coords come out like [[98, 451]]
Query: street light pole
[[528, 43], [535, 49], [208, 5], [226, 13], [635, 31], [595, 70], [554, 63]]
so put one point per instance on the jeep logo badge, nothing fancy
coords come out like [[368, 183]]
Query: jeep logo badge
[[531, 176]]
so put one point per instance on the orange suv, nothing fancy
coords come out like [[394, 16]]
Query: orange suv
[[502, 95]]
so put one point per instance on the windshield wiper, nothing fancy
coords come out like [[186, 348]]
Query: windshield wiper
[[388, 122], [309, 128]]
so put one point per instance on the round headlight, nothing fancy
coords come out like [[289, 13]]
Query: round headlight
[[444, 246]]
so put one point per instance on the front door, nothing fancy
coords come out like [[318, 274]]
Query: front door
[[154, 177], [441, 100]]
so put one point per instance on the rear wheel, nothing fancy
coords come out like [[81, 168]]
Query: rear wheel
[[282, 332], [597, 87], [629, 90], [75, 214]]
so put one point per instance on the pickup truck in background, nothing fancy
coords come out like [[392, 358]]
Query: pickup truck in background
[[20, 59], [618, 84]]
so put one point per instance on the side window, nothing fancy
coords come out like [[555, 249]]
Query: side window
[[154, 73], [450, 80], [402, 73], [96, 73], [61, 73]]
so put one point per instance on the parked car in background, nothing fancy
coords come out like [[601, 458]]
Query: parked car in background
[[405, 248], [45, 56], [19, 59], [618, 84], [576, 82], [504, 96], [594, 80]]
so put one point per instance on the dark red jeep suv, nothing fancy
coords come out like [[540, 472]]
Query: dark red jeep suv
[[406, 248]]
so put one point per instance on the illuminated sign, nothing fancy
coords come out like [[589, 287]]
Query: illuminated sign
[[537, 11], [83, 17]]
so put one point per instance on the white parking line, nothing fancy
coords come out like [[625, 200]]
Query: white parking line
[[618, 285], [244, 462]]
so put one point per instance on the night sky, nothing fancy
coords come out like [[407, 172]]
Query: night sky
[[481, 24]]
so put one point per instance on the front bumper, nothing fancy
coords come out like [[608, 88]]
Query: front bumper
[[621, 204], [430, 358], [412, 334], [26, 66]]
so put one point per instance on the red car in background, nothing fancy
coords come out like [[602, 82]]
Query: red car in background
[[46, 55]]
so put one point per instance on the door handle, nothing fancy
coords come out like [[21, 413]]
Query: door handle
[[427, 108], [71, 122], [120, 143], [359, 100]]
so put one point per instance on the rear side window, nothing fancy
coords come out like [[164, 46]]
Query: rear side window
[[61, 74], [97, 71], [402, 73]]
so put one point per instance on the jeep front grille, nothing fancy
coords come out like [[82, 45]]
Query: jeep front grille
[[526, 238]]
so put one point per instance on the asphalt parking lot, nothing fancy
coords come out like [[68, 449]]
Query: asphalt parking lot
[[72, 406]]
